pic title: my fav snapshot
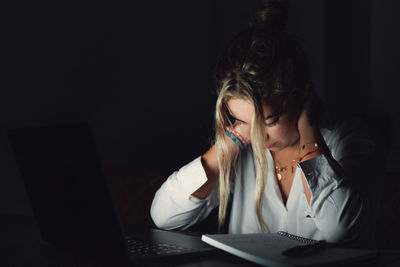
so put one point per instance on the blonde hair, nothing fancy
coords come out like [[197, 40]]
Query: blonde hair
[[262, 63], [225, 161]]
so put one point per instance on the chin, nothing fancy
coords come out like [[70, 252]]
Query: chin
[[274, 148]]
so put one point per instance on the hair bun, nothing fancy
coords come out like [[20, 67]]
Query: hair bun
[[272, 15]]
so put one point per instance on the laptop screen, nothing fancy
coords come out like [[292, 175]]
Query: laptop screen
[[65, 183]]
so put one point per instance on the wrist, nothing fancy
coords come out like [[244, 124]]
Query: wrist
[[236, 137], [310, 135], [311, 147], [308, 153]]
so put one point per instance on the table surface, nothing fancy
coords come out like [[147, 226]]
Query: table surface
[[21, 245]]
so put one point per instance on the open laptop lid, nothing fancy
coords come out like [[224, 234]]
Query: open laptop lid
[[64, 180]]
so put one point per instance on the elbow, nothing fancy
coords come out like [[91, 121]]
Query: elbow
[[157, 214], [167, 215], [347, 227], [163, 213], [341, 234], [154, 216]]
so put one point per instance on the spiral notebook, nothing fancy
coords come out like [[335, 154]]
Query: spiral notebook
[[268, 249]]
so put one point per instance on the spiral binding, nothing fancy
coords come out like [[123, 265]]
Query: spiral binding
[[297, 238]]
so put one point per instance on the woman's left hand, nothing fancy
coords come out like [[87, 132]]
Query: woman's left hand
[[308, 127], [310, 114], [304, 125]]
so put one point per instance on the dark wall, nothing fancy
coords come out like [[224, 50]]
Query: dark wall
[[142, 72]]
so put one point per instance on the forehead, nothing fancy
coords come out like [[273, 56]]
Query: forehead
[[244, 110], [240, 108]]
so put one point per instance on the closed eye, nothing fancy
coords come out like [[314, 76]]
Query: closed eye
[[274, 122], [233, 120]]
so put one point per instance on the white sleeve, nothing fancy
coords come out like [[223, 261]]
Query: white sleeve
[[339, 183], [174, 207], [335, 206]]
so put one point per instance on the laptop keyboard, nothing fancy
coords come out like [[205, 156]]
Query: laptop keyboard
[[143, 249]]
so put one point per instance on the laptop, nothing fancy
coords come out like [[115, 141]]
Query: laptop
[[73, 205]]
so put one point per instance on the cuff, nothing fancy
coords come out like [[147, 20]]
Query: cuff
[[320, 171]]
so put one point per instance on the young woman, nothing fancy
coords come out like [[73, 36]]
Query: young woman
[[270, 155]]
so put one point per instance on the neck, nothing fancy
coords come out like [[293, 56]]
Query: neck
[[291, 151], [286, 155]]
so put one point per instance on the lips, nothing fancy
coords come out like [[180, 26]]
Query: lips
[[271, 145]]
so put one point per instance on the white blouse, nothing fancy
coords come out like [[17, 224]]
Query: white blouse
[[334, 212]]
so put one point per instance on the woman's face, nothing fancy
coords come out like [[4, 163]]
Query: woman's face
[[280, 130]]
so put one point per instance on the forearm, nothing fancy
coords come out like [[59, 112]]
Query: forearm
[[173, 205], [186, 196], [334, 206], [312, 145], [210, 164], [209, 160]]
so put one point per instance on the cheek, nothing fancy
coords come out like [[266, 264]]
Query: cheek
[[275, 133], [282, 133], [291, 134]]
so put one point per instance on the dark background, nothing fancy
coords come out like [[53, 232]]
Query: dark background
[[141, 72]]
